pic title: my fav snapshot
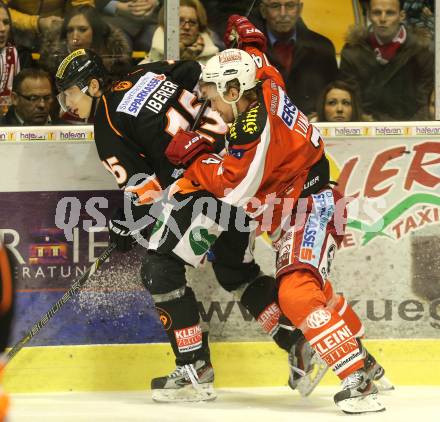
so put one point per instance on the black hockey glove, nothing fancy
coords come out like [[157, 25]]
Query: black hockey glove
[[120, 234]]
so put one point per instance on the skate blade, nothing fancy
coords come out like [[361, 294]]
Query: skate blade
[[205, 392], [384, 384], [309, 382], [363, 404]]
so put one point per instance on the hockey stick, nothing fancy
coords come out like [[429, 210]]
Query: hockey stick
[[200, 114], [250, 8], [73, 290]]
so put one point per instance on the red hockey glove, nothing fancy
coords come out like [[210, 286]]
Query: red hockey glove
[[185, 147], [240, 33]]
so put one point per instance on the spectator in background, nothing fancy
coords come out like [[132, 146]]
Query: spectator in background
[[196, 41], [32, 18], [137, 18], [83, 27], [393, 68], [338, 102], [32, 99], [420, 15], [9, 60], [306, 59]]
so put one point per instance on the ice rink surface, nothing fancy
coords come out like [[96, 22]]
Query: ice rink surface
[[280, 404]]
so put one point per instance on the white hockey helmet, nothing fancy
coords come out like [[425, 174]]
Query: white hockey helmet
[[228, 65]]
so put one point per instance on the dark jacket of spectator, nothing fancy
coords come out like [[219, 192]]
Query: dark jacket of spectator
[[313, 67], [427, 112], [10, 118], [219, 11], [139, 29], [393, 91], [115, 51]]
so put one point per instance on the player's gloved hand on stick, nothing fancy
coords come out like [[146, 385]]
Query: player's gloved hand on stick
[[186, 146], [120, 234], [241, 33]]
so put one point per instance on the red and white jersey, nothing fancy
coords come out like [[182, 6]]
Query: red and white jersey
[[270, 150], [9, 68]]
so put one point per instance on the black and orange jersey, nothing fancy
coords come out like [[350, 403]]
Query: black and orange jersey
[[137, 118], [271, 148]]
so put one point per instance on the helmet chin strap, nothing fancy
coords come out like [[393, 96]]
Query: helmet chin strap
[[93, 108], [232, 103], [234, 109]]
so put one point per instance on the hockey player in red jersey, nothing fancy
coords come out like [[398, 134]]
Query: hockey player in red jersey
[[135, 119], [276, 169]]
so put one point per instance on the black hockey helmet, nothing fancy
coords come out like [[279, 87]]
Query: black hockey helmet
[[78, 68]]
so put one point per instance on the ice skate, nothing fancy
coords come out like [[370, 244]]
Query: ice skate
[[376, 373], [374, 370], [187, 383], [358, 394], [306, 368]]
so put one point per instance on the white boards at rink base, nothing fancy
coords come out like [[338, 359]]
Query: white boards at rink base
[[109, 338]]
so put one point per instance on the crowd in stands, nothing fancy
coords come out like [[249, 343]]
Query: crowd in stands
[[384, 72]]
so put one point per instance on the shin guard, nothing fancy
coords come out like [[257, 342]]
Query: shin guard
[[181, 320]]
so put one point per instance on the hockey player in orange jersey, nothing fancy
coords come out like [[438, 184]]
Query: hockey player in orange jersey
[[275, 168], [6, 300]]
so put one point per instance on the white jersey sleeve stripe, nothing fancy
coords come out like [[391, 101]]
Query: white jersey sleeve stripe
[[248, 187]]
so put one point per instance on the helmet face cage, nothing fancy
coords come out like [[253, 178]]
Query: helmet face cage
[[229, 65]]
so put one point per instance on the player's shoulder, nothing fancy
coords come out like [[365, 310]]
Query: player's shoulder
[[142, 93], [248, 126]]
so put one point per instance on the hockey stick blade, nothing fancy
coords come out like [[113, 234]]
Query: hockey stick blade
[[69, 294], [308, 383]]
